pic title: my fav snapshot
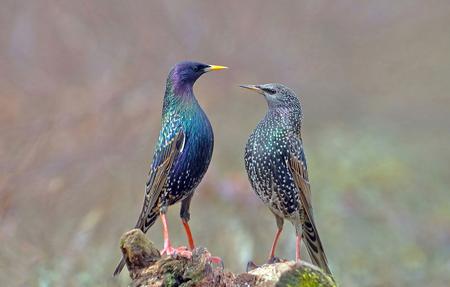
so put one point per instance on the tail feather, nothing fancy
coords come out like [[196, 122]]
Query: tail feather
[[315, 247], [309, 230], [162, 164], [119, 267], [144, 225]]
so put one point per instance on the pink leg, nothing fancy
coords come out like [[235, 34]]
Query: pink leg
[[274, 244], [297, 247], [168, 249]]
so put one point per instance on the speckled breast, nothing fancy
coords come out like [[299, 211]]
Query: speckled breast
[[265, 161], [192, 164]]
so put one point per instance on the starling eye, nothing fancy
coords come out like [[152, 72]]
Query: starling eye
[[195, 68], [270, 91]]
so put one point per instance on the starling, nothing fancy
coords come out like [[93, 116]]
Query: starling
[[182, 153], [276, 166]]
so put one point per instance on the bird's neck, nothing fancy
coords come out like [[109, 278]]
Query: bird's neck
[[285, 117], [178, 95]]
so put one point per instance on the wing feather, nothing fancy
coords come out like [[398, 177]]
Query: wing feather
[[297, 167], [161, 166]]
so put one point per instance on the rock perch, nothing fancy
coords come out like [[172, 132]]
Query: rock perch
[[148, 269]]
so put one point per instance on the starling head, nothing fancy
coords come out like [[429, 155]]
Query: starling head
[[186, 73], [278, 96]]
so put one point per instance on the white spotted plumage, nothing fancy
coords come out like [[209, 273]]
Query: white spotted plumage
[[276, 166]]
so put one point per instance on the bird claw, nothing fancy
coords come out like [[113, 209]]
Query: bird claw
[[250, 266], [168, 250], [182, 251], [274, 259], [215, 260]]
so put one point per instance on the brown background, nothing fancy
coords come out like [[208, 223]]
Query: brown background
[[81, 84]]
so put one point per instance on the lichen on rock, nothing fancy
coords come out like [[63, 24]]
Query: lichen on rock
[[148, 269]]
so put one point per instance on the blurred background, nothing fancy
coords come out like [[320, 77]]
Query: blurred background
[[81, 86]]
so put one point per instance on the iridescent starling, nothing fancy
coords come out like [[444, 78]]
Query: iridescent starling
[[276, 166], [182, 153]]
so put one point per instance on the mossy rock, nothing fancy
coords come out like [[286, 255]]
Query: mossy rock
[[305, 275], [148, 269]]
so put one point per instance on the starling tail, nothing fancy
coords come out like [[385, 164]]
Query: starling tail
[[314, 246], [309, 230], [150, 221], [119, 267], [157, 179]]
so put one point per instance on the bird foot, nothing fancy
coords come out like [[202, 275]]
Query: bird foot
[[250, 266], [168, 250], [182, 251], [215, 260], [274, 259]]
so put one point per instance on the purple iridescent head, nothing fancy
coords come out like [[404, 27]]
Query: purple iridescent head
[[184, 74]]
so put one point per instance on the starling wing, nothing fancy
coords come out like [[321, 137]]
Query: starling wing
[[297, 166], [161, 166]]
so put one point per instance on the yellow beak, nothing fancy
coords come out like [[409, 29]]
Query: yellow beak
[[215, 68], [251, 87]]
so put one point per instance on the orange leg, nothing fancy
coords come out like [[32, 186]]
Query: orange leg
[[275, 242], [297, 247], [188, 234], [212, 259]]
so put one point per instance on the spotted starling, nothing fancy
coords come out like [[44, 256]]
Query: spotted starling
[[276, 166], [182, 153]]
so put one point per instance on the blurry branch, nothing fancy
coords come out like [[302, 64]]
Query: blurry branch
[[147, 268]]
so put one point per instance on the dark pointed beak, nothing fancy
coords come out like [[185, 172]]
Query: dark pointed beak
[[214, 68], [253, 88]]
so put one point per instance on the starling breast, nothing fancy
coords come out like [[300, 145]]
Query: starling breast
[[268, 148]]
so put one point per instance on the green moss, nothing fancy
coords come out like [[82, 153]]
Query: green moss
[[170, 280], [305, 277], [179, 274]]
